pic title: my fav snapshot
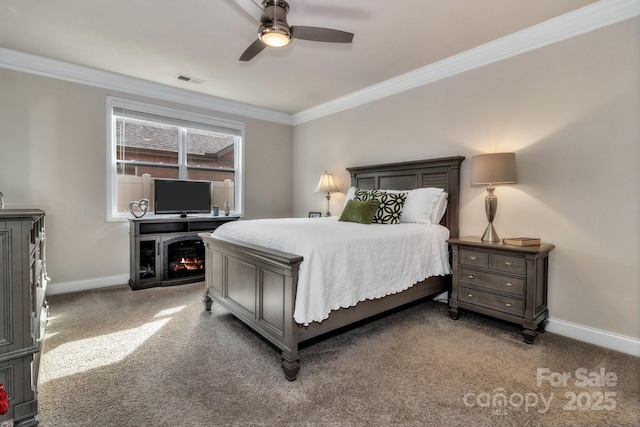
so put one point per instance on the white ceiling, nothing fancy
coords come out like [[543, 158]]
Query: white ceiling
[[157, 40]]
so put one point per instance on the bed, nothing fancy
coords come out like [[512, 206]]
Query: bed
[[258, 284]]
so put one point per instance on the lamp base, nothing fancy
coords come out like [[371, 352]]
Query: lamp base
[[491, 207], [490, 234], [328, 203]]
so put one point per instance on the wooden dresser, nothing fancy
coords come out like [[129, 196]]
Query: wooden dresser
[[502, 281], [23, 311]]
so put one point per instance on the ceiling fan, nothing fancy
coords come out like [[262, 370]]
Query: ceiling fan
[[274, 31]]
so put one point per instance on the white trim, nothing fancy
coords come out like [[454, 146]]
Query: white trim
[[33, 64], [595, 336], [86, 285], [589, 18], [597, 15]]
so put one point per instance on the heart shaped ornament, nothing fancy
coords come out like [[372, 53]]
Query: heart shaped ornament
[[139, 208]]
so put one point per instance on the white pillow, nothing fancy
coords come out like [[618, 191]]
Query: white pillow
[[420, 205], [439, 208], [351, 192]]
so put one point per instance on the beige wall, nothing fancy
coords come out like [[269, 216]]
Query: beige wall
[[571, 112], [53, 155]]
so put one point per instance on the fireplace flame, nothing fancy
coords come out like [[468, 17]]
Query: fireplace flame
[[191, 264]]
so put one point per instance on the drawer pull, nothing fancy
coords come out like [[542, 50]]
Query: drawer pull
[[470, 295], [473, 257], [472, 276], [508, 262], [508, 304], [509, 284]]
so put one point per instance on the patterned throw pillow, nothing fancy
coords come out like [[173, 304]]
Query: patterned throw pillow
[[390, 208], [364, 195]]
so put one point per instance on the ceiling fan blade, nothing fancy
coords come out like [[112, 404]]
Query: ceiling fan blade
[[318, 34], [253, 49], [251, 8]]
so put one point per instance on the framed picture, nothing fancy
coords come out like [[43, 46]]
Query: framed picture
[[315, 214]]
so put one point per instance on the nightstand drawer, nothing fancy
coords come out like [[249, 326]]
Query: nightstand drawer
[[508, 263], [474, 258], [496, 302], [511, 285]]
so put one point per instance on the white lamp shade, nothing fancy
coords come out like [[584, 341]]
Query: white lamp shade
[[326, 184], [495, 168]]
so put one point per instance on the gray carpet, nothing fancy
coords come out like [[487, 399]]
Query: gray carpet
[[115, 357]]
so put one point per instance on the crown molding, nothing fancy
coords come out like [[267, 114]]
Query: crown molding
[[33, 64], [589, 18]]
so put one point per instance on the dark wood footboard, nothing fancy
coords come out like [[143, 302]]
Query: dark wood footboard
[[258, 285]]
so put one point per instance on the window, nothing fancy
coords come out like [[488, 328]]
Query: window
[[148, 142]]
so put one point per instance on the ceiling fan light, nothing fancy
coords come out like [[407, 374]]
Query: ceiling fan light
[[275, 37]]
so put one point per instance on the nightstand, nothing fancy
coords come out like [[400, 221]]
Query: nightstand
[[502, 281]]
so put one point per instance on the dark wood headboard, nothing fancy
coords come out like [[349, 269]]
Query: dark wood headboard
[[440, 173]]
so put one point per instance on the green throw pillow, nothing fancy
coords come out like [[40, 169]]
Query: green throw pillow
[[360, 211]]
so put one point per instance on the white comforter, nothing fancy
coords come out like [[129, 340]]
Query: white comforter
[[346, 262]]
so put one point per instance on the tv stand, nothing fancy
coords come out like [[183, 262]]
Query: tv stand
[[165, 250]]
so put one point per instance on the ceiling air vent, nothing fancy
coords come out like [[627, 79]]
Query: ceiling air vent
[[190, 79]]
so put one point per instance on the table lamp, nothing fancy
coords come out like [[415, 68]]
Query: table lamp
[[496, 168], [326, 185]]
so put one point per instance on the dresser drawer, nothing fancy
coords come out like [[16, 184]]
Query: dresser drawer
[[493, 301], [508, 263], [474, 258], [497, 282]]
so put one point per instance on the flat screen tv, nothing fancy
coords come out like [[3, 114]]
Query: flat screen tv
[[182, 197]]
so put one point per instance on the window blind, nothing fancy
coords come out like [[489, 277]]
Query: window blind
[[138, 115]]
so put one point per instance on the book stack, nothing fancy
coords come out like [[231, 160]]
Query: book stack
[[522, 241]]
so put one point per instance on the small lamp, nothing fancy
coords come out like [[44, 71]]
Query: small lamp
[[326, 185], [497, 168]]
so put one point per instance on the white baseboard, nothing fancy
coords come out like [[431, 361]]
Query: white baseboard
[[583, 333], [595, 336], [85, 285]]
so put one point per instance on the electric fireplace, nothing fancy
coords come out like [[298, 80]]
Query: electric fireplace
[[167, 251], [183, 256]]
